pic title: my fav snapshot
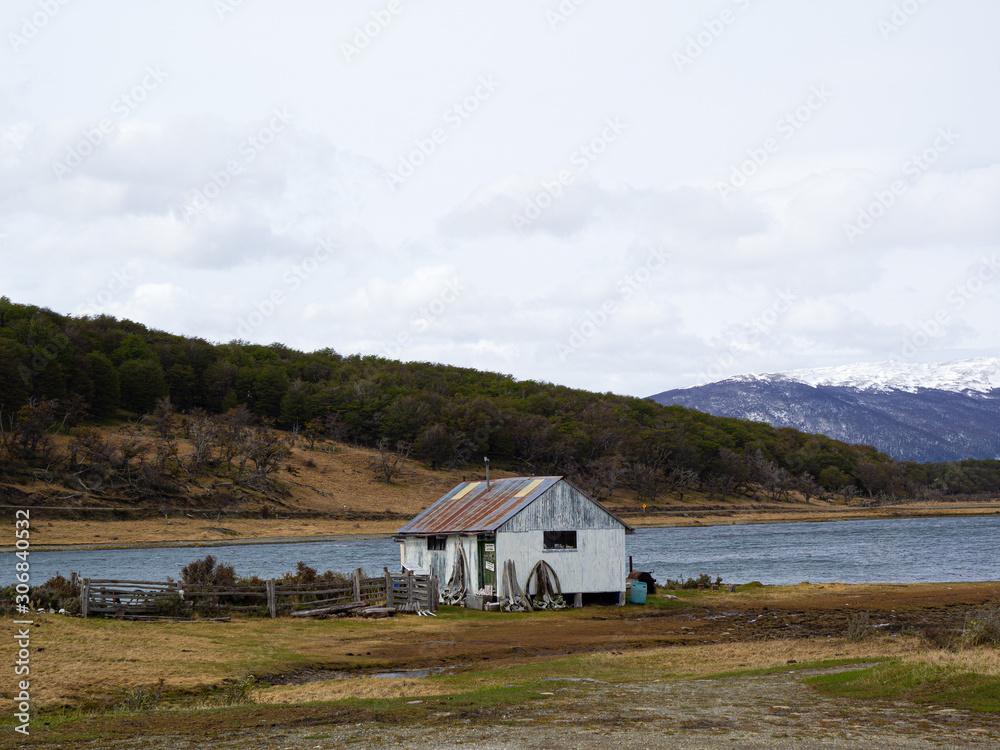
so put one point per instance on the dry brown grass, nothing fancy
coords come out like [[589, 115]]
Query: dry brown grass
[[984, 660], [82, 662], [334, 480], [737, 512], [188, 530], [77, 661], [357, 687], [699, 661]]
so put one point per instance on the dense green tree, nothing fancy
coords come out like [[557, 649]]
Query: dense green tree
[[833, 478], [295, 404], [15, 377], [142, 384], [269, 386], [107, 385], [182, 384], [450, 414], [133, 347]]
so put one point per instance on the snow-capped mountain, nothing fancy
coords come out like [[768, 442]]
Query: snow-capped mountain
[[914, 412]]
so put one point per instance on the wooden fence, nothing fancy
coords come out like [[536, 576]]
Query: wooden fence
[[116, 598]]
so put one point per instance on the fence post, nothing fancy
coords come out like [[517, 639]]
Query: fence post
[[85, 598], [272, 599], [433, 594], [388, 588], [357, 584], [409, 591]]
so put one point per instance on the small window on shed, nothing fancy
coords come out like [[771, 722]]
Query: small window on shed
[[436, 543], [560, 539]]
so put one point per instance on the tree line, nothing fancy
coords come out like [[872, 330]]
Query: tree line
[[57, 372]]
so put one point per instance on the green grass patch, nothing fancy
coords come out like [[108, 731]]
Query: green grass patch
[[762, 671], [920, 683], [492, 704]]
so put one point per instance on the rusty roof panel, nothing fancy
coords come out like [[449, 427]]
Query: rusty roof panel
[[471, 507]]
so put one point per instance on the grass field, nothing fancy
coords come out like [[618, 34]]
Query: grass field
[[87, 674]]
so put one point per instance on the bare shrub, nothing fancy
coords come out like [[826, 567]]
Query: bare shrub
[[859, 627], [389, 462], [142, 698], [238, 692], [982, 628]]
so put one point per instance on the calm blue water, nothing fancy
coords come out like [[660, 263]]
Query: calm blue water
[[908, 550], [899, 550]]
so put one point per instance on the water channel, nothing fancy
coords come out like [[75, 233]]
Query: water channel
[[905, 550]]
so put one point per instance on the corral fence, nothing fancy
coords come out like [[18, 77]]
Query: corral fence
[[391, 592]]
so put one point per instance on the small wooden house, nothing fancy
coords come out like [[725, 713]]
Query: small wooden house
[[467, 536]]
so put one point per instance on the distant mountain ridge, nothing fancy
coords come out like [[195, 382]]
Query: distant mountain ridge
[[912, 411]]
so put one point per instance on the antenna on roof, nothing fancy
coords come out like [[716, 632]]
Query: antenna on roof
[[487, 462]]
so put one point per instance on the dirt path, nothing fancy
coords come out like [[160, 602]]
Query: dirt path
[[776, 711]]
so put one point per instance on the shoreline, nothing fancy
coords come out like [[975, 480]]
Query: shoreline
[[692, 519], [95, 546]]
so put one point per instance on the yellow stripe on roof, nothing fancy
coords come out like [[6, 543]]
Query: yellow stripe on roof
[[529, 488], [466, 490]]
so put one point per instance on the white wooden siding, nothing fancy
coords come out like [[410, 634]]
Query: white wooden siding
[[442, 562], [562, 508], [596, 565]]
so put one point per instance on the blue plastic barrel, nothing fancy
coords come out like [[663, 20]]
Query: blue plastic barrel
[[638, 595]]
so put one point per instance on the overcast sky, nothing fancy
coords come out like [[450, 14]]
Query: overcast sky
[[623, 196]]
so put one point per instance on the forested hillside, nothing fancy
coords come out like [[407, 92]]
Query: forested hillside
[[62, 373]]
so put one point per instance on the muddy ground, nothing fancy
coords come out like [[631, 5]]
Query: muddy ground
[[746, 711], [767, 711], [814, 611]]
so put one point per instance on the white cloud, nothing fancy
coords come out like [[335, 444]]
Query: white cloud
[[260, 209]]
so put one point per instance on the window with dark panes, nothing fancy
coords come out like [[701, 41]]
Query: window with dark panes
[[436, 543], [560, 539]]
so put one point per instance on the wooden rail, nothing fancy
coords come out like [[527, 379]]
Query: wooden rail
[[118, 598]]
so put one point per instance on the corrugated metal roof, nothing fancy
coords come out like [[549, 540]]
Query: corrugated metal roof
[[471, 508]]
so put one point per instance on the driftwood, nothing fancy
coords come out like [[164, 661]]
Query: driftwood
[[376, 612], [512, 598], [456, 590], [151, 618], [548, 591], [331, 610]]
